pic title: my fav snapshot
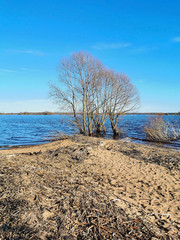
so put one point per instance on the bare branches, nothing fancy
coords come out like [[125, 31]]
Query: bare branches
[[93, 93], [123, 98]]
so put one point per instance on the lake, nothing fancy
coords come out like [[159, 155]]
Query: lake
[[17, 130]]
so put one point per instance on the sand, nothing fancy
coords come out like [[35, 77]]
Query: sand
[[89, 188]]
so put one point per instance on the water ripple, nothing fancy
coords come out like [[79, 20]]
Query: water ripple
[[16, 130]]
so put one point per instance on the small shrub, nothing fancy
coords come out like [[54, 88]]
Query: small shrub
[[59, 136], [157, 130], [121, 132]]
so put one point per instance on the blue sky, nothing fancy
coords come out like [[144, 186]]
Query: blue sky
[[138, 37]]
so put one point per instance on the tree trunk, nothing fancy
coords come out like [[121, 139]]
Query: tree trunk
[[114, 127]]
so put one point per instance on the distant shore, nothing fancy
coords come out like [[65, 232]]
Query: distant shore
[[68, 113]]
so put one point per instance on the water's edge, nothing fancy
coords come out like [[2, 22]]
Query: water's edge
[[27, 130]]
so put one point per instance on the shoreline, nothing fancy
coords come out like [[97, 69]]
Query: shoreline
[[68, 113], [53, 189], [124, 140]]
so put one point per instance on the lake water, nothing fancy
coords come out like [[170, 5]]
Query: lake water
[[17, 130]]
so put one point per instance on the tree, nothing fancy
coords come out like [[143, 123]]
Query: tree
[[93, 93], [80, 80], [123, 98]]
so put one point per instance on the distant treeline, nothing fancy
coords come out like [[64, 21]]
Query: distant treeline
[[66, 113], [37, 113]]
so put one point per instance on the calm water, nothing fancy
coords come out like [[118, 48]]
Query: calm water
[[16, 130]]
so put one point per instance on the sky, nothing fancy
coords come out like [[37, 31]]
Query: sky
[[137, 37]]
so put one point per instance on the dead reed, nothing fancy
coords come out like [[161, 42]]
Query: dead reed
[[157, 130]]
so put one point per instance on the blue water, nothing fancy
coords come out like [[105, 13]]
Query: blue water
[[17, 130]]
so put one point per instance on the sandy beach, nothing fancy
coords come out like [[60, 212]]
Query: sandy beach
[[89, 188]]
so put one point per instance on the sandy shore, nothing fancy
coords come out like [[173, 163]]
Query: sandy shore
[[89, 188]]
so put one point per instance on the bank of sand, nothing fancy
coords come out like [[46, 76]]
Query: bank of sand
[[89, 188]]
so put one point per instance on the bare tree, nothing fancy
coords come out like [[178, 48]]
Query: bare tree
[[93, 93], [79, 78], [123, 98]]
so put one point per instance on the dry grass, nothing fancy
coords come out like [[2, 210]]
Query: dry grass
[[60, 194], [157, 130], [58, 136], [62, 207]]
